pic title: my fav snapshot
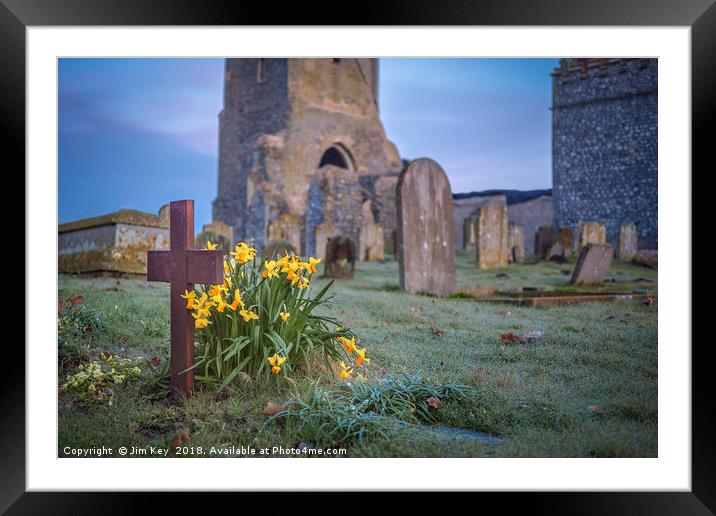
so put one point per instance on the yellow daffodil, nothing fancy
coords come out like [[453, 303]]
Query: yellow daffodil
[[276, 361], [227, 284], [303, 282], [200, 322], [226, 268], [221, 305], [345, 372], [237, 301], [271, 271], [361, 357], [210, 246], [189, 296], [312, 262], [248, 315], [285, 316], [243, 253], [361, 377], [348, 344]]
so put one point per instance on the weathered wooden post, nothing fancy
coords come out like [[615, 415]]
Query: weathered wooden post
[[183, 266]]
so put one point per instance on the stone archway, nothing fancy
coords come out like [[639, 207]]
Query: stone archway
[[339, 156]]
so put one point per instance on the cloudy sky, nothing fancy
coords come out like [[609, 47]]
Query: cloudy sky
[[135, 133]]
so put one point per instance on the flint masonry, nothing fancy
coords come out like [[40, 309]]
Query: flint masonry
[[604, 137], [302, 149]]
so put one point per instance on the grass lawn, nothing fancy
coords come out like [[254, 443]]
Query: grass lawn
[[538, 397]]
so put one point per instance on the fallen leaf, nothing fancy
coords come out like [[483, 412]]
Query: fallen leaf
[[271, 408], [480, 373], [609, 317], [438, 333], [155, 361], [509, 338], [180, 438], [596, 409], [76, 300], [648, 301], [61, 307], [244, 378], [433, 402]]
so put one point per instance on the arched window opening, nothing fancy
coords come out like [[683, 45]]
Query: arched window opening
[[337, 157]]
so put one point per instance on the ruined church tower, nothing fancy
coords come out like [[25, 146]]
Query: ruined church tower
[[302, 152]]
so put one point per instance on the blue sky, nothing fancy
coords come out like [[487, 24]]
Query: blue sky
[[135, 133]]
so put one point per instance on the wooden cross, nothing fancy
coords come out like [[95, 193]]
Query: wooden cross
[[183, 266]]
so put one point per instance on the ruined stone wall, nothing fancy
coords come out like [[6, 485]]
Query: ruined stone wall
[[252, 108], [604, 132], [275, 133]]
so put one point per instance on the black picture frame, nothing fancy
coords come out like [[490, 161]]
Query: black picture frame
[[700, 15]]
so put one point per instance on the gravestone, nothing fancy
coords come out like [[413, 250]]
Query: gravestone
[[371, 243], [592, 233], [545, 237], [516, 242], [468, 232], [286, 227], [491, 236], [628, 242], [340, 257], [425, 237], [323, 233], [592, 264], [218, 233], [567, 237], [183, 266], [556, 252]]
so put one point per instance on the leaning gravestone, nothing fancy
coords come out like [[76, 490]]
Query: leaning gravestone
[[340, 257], [425, 237], [516, 242], [491, 236], [593, 264], [628, 242], [545, 238], [592, 233]]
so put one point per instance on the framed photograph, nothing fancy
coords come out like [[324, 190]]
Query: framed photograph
[[459, 236]]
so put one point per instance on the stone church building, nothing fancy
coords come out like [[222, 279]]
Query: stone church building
[[303, 154], [604, 138]]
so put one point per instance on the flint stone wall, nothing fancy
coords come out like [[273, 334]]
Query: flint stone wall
[[604, 133]]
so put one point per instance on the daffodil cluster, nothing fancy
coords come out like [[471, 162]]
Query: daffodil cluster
[[92, 382], [260, 320], [294, 270]]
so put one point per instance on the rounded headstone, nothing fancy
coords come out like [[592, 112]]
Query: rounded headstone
[[425, 236]]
